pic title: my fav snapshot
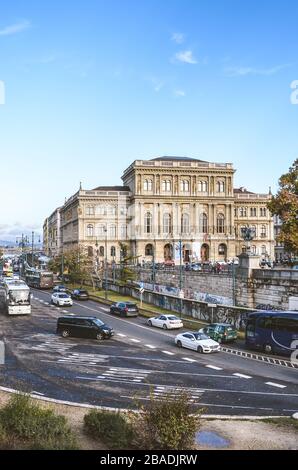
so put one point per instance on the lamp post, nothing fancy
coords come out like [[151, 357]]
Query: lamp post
[[153, 265], [180, 277], [106, 262]]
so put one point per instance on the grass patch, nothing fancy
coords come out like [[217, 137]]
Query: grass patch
[[24, 424], [110, 427]]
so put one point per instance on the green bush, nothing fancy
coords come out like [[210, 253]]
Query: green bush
[[111, 428], [27, 424], [166, 424]]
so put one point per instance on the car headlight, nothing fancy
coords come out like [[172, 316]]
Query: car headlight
[[106, 331]]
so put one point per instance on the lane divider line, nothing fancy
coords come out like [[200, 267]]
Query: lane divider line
[[242, 376], [273, 384], [214, 367]]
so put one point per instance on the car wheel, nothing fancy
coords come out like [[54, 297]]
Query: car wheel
[[99, 336], [179, 344], [150, 323], [165, 326], [65, 333], [267, 348], [200, 349]]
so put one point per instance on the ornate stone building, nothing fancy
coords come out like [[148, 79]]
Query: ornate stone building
[[163, 203]]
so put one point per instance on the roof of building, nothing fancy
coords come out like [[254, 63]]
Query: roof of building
[[242, 190], [112, 188], [182, 159]]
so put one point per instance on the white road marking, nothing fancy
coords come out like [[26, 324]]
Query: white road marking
[[135, 340], [37, 393], [169, 353], [273, 384], [189, 359], [150, 346], [242, 376], [214, 367], [120, 334], [65, 311]]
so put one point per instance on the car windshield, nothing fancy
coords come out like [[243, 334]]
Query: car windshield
[[63, 296], [172, 317], [200, 336], [130, 305], [82, 292], [98, 322]]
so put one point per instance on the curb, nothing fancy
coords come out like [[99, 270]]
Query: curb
[[127, 410]]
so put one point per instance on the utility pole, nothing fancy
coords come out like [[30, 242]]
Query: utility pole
[[32, 264], [62, 266], [234, 283]]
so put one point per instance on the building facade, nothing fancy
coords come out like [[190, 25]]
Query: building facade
[[163, 204]]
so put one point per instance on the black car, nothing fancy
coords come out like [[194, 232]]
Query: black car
[[79, 294], [126, 309], [83, 327]]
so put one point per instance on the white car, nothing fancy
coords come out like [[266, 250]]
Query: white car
[[166, 322], [61, 299], [197, 341]]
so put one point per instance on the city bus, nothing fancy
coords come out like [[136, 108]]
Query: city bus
[[7, 269], [17, 297], [39, 279], [272, 331]]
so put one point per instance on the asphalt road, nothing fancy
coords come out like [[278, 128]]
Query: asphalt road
[[137, 361]]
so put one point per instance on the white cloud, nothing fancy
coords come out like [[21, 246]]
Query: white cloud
[[238, 71], [157, 83], [186, 57], [178, 38], [179, 93], [15, 28]]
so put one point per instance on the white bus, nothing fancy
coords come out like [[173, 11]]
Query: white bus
[[17, 297]]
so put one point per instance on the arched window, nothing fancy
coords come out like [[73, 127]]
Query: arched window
[[111, 210], [184, 186], [149, 250], [203, 223], [263, 211], [263, 231], [101, 251], [90, 230], [202, 186], [185, 223], [166, 185], [112, 231], [113, 251], [167, 223], [220, 187], [220, 225], [148, 185], [90, 251], [148, 222], [235, 212], [101, 230]]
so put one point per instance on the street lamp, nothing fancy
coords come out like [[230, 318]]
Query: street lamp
[[106, 262]]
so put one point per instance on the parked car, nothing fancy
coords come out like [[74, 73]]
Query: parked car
[[221, 332], [79, 294], [83, 327], [197, 341], [61, 299], [60, 288], [126, 309], [166, 322], [196, 267]]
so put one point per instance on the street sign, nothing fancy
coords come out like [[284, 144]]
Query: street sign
[[142, 290], [212, 305]]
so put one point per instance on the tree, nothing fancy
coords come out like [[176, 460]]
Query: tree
[[126, 273], [77, 265], [285, 205]]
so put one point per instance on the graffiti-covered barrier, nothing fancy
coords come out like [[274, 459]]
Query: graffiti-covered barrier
[[190, 308]]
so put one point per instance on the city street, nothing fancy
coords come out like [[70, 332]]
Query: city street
[[138, 361]]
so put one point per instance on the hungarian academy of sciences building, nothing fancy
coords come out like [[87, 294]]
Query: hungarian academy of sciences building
[[164, 203]]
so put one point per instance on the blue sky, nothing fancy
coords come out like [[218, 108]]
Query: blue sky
[[92, 85]]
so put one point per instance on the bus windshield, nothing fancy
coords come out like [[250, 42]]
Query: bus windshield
[[19, 297]]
